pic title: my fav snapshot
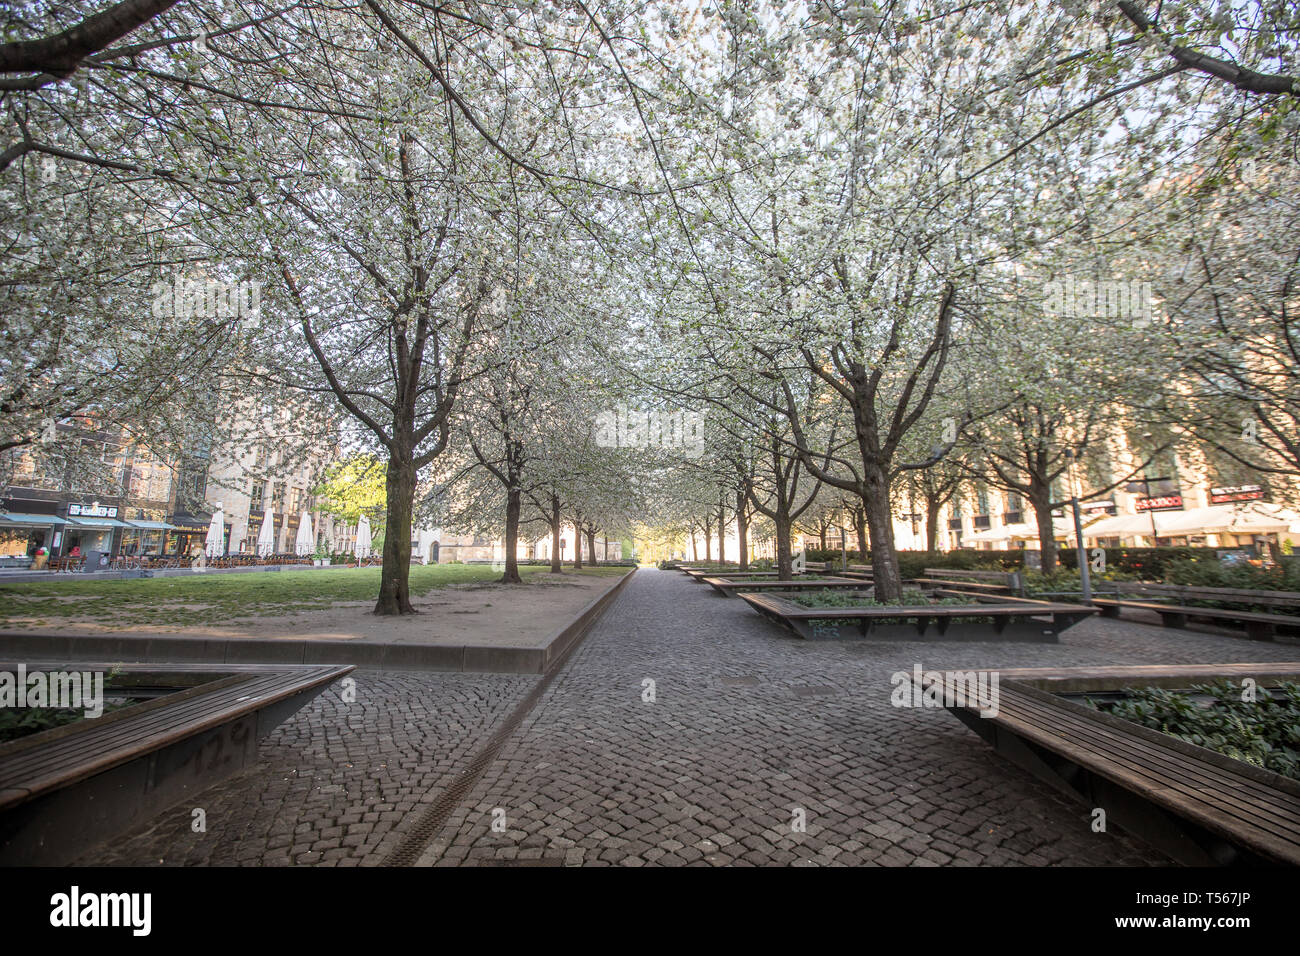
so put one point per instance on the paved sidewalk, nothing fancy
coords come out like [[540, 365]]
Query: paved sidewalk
[[750, 729]]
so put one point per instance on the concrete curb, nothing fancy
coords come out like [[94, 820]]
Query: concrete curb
[[366, 654]]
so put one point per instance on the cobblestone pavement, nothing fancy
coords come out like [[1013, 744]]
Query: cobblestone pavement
[[749, 730]]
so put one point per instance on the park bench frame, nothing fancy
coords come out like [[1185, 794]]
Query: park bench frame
[[729, 586], [1258, 625], [987, 582], [1198, 806], [71, 786], [1018, 620]]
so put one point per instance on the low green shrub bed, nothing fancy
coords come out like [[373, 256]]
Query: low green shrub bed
[[1264, 732], [1215, 574], [19, 722], [1067, 580], [840, 598], [1146, 564], [834, 554]]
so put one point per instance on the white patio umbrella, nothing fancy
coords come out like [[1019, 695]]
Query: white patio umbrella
[[266, 537], [305, 543], [215, 545], [362, 547]]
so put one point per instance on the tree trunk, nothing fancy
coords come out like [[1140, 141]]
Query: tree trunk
[[513, 505], [742, 529], [722, 537], [784, 566], [591, 547], [555, 534], [577, 543], [708, 539], [860, 525], [1040, 497], [821, 533], [394, 581], [932, 507], [884, 559]]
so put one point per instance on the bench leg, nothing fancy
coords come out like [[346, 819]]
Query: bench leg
[[1109, 610], [1260, 630], [1173, 619]]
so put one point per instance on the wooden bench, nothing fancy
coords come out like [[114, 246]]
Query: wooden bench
[[1258, 625], [1019, 620], [987, 582], [702, 575], [128, 764], [1200, 807], [728, 586], [1282, 600]]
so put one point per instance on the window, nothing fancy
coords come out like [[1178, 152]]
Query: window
[[257, 495]]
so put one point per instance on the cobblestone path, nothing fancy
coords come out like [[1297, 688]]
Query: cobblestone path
[[749, 732]]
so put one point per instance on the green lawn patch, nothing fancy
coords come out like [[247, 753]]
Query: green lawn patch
[[212, 598]]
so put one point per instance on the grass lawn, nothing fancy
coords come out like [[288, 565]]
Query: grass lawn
[[216, 598]]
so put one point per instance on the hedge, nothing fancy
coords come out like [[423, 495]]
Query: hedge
[[1150, 564]]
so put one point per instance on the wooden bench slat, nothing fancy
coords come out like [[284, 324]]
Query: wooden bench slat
[[1188, 784], [38, 767], [1191, 610], [152, 728], [1206, 806], [932, 610], [1276, 811]]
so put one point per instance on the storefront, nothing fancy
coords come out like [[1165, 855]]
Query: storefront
[[1248, 525], [145, 537], [92, 527], [184, 538], [23, 533], [188, 535]]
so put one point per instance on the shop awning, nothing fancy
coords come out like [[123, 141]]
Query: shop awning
[[150, 525], [1256, 518], [1022, 531], [97, 522], [15, 518]]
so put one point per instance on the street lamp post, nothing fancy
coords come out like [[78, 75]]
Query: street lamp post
[[1151, 512]]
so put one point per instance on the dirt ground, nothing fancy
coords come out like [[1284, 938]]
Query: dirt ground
[[525, 615]]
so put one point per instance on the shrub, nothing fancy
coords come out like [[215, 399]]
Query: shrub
[[912, 564], [1264, 732], [1147, 564], [1213, 574], [1067, 580], [831, 554]]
